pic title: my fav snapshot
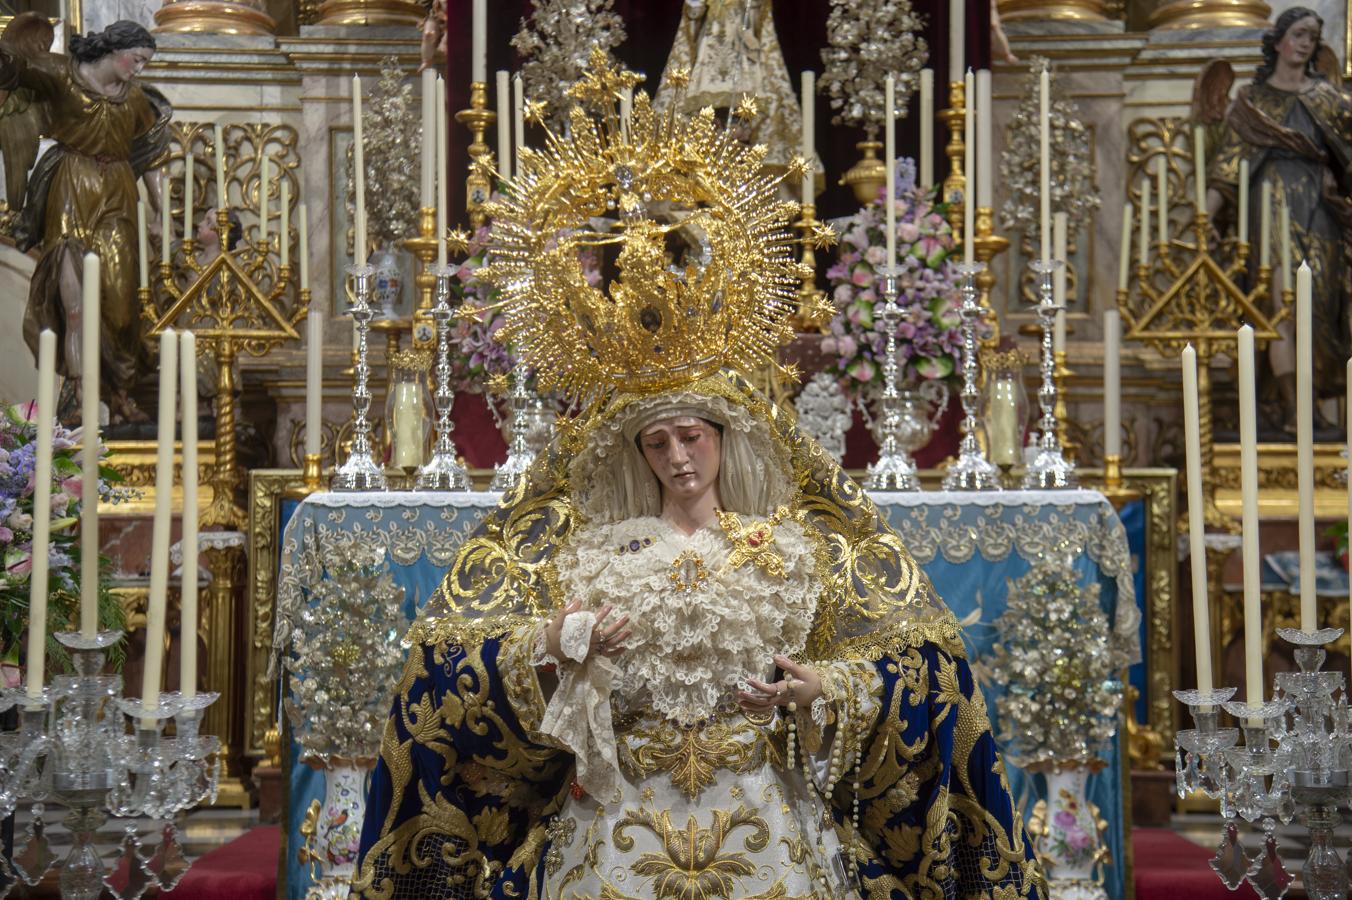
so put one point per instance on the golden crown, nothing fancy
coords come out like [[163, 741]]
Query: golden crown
[[705, 269]]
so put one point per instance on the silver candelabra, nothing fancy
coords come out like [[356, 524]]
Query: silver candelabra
[[72, 749], [361, 472], [519, 452], [1049, 468], [971, 471], [443, 471], [894, 469], [1295, 758]]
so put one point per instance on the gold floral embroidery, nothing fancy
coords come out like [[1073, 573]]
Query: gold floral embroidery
[[694, 861], [693, 754]]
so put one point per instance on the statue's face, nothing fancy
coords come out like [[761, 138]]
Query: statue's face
[[1299, 43], [684, 453], [129, 63]]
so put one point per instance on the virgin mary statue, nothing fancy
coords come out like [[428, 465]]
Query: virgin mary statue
[[685, 657]]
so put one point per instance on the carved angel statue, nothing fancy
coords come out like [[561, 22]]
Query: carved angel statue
[[80, 196], [1294, 126]]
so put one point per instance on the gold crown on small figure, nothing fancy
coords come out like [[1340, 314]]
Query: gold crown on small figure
[[706, 271]]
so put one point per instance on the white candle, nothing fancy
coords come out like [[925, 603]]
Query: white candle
[[360, 249], [159, 546], [222, 202], [1242, 214], [187, 677], [809, 128], [626, 108], [1124, 248], [1199, 167], [1285, 226], [303, 215], [314, 380], [1265, 224], [89, 454], [504, 125], [479, 43], [969, 163], [518, 118], [1162, 192], [166, 220], [1045, 162], [1201, 613], [1248, 488], [890, 157], [142, 247], [1143, 245], [984, 165], [957, 62], [429, 120], [42, 514], [926, 128], [264, 188], [284, 230], [1060, 221], [188, 230], [1305, 446], [1112, 383], [442, 174]]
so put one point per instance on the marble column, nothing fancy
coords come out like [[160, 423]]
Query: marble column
[[214, 17], [1053, 10], [1210, 14], [370, 12]]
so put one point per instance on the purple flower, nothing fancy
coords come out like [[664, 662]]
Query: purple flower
[[1064, 819]]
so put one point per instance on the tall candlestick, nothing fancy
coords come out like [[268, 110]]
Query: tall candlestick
[[927, 128], [1143, 245], [89, 455], [1248, 488], [1305, 446], [890, 161], [1242, 213], [984, 165], [809, 129], [166, 219], [218, 138], [284, 229], [957, 62], [1201, 612], [1265, 224], [1045, 163], [1284, 224], [302, 214], [359, 248], [42, 514], [429, 124], [518, 118], [264, 189], [504, 92], [187, 677], [142, 247], [314, 380], [1199, 167], [969, 162], [442, 173], [1060, 240], [159, 545], [479, 43], [1162, 192], [1124, 247], [188, 230], [1112, 383]]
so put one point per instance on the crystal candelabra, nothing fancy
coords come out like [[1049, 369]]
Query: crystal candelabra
[[361, 472], [894, 469], [443, 471], [971, 471], [1295, 758], [1049, 468], [73, 750], [519, 454]]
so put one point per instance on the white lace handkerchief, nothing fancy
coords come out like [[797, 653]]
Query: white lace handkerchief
[[578, 715]]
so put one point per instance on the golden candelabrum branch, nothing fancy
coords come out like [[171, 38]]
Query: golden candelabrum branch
[[814, 309], [233, 303], [955, 185], [477, 119], [1185, 295], [986, 245]]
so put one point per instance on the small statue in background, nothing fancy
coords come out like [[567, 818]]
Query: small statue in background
[[1294, 126], [433, 36], [81, 196], [23, 115]]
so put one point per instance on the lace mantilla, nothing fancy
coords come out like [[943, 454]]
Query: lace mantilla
[[691, 647]]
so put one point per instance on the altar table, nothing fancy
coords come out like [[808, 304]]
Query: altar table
[[970, 544]]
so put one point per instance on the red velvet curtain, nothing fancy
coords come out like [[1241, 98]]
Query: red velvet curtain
[[651, 27]]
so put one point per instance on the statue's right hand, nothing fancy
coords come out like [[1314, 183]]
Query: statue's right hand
[[608, 640]]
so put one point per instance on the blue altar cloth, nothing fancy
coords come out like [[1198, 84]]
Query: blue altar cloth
[[970, 544]]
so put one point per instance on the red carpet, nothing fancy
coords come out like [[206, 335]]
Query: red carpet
[[1170, 867], [244, 869]]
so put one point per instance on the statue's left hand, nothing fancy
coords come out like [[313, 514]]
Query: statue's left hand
[[801, 685]]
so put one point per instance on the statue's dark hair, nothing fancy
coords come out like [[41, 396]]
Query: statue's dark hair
[[122, 35], [1273, 36]]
